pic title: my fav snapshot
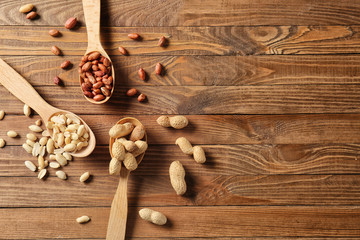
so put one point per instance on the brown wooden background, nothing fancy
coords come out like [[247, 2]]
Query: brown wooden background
[[272, 91]]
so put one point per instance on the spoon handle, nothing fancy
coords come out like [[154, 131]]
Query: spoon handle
[[119, 209], [92, 19], [22, 89]]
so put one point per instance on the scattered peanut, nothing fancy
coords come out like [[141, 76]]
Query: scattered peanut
[[65, 64], [26, 8], [67, 156], [54, 32], [41, 162], [134, 36], [130, 162], [31, 136], [30, 166], [162, 41], [85, 176], [12, 134], [2, 143], [61, 159], [153, 216], [177, 122], [83, 219], [142, 74], [31, 15], [114, 166], [55, 50], [61, 175], [27, 148], [184, 145], [35, 128], [141, 97], [187, 148], [57, 80], [27, 110], [30, 143], [38, 122], [131, 92], [50, 146], [158, 68], [70, 23], [138, 133], [2, 114], [177, 177], [43, 141], [42, 173], [122, 51], [54, 165]]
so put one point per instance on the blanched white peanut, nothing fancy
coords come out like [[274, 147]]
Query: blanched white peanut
[[67, 156], [27, 148], [12, 134], [35, 128], [43, 141], [83, 219], [85, 176], [50, 146], [69, 147], [30, 143], [27, 110], [2, 114], [61, 159], [30, 166], [61, 175], [153, 216], [2, 143], [38, 122], [31, 137], [41, 162]]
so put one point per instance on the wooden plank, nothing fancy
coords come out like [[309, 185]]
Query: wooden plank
[[155, 190], [221, 160], [203, 70], [193, 13], [217, 129], [295, 40], [191, 222], [278, 99]]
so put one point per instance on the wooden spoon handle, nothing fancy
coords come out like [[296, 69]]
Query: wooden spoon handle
[[23, 90], [92, 19], [119, 209]]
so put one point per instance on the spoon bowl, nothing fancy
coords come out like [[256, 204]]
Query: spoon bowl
[[119, 207], [22, 89], [92, 20]]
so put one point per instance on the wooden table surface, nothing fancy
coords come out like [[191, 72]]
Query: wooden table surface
[[272, 93]]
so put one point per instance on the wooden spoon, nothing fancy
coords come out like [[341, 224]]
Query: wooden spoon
[[119, 207], [92, 20], [22, 89]]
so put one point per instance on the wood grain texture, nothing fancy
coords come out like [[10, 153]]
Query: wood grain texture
[[221, 160], [21, 40], [279, 99], [203, 190], [202, 70], [247, 222], [218, 129], [193, 13]]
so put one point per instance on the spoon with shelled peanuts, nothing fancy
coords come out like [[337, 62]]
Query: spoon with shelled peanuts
[[96, 91], [119, 207], [22, 89]]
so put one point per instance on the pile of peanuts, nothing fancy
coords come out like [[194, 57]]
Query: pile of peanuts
[[95, 75]]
